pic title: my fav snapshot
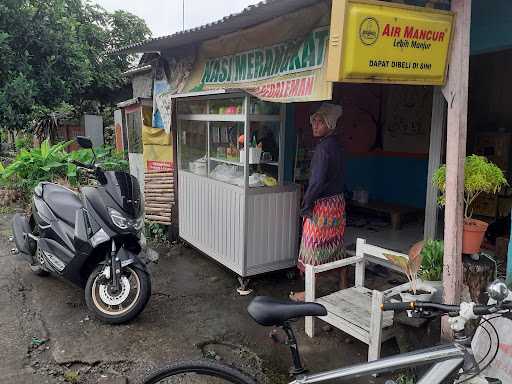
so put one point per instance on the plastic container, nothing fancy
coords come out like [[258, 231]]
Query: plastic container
[[254, 155]]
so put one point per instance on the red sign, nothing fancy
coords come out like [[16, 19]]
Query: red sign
[[162, 166]]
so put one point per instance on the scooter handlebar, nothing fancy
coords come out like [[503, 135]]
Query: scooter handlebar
[[82, 165]]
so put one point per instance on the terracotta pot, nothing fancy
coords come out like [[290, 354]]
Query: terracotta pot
[[474, 231]]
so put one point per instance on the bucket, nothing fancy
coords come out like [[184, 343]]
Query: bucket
[[474, 231]]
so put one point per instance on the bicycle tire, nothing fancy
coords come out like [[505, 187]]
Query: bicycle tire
[[206, 368]]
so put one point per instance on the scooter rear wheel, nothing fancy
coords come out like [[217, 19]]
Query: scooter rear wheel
[[122, 306]]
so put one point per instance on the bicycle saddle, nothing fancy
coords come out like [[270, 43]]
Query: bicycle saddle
[[268, 311]]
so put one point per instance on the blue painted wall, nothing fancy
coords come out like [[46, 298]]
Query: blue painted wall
[[491, 25], [290, 143], [392, 179]]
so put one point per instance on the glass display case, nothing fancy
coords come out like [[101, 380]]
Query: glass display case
[[212, 140], [233, 203]]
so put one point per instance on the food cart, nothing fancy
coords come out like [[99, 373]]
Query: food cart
[[234, 204]]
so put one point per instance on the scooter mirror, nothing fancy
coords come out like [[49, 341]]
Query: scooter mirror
[[498, 291], [84, 142]]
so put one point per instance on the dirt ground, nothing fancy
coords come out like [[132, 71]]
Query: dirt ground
[[48, 336]]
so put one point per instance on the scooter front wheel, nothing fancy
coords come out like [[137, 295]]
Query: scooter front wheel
[[123, 305]]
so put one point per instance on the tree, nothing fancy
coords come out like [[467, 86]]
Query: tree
[[55, 54]]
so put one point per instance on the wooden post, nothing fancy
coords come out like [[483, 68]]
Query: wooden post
[[456, 94], [509, 259], [434, 160]]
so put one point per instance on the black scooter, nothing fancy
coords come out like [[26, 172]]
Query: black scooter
[[92, 239]]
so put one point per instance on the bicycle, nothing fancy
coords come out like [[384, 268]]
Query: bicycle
[[454, 361]]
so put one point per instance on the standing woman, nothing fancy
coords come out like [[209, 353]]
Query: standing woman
[[323, 207]]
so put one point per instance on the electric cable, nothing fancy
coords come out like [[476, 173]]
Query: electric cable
[[480, 370]]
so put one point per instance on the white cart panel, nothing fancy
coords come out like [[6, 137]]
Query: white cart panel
[[272, 230], [212, 218]]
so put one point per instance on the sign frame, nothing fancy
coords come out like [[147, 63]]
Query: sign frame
[[337, 44]]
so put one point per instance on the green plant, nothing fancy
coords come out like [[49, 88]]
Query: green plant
[[45, 163], [106, 157], [53, 163], [432, 260], [405, 378], [156, 232], [23, 142], [409, 265], [480, 175]]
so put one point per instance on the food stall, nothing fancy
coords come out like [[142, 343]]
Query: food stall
[[233, 201]]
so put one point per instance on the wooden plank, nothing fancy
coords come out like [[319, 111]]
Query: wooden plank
[[354, 305], [310, 296], [378, 252], [157, 205], [343, 325], [376, 322], [166, 212], [336, 264], [149, 194], [159, 181], [160, 219], [158, 173], [456, 93], [434, 160], [360, 265], [162, 199], [159, 186]]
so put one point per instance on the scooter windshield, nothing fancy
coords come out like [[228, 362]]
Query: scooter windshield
[[125, 190]]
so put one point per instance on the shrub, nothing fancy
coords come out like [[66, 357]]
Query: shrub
[[432, 260], [480, 175], [30, 167], [52, 163]]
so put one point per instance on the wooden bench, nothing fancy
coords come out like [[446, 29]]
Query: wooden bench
[[356, 310], [396, 212]]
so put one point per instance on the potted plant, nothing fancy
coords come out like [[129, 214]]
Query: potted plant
[[419, 291], [480, 175], [431, 269]]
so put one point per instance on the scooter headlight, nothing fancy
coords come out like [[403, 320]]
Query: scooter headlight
[[123, 223], [118, 219]]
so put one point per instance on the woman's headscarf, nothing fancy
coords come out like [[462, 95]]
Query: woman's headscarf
[[330, 113]]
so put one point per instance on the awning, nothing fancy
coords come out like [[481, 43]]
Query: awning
[[248, 17]]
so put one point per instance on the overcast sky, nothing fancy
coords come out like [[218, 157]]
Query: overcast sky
[[164, 17]]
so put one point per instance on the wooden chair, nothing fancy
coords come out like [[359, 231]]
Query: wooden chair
[[356, 310]]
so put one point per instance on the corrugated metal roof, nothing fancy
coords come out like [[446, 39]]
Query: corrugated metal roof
[[250, 16], [136, 70]]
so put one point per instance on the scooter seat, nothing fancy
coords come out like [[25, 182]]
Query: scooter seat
[[62, 201], [268, 311]]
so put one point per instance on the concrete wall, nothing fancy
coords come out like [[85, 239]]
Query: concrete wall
[[93, 128]]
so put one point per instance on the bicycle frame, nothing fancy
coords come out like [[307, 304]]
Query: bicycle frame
[[447, 359]]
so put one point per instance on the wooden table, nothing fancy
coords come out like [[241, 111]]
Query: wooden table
[[396, 212]]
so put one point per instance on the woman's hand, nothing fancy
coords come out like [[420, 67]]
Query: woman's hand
[[306, 212]]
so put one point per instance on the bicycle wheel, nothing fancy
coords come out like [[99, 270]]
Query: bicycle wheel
[[199, 372]]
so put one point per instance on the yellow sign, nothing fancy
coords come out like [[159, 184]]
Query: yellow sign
[[381, 42], [157, 154]]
